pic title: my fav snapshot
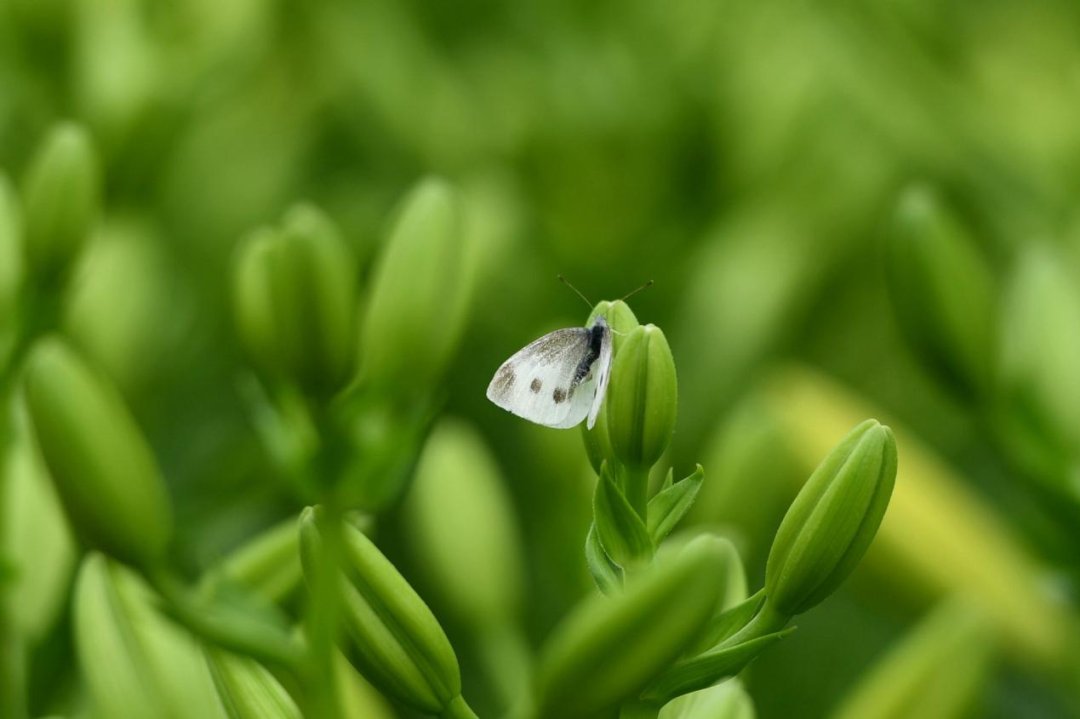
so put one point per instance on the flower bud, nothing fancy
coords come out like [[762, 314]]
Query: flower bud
[[294, 297], [621, 320], [101, 465], [943, 289], [1041, 351], [939, 669], [36, 539], [61, 197], [420, 290], [832, 521], [463, 529], [247, 689], [396, 642], [10, 250], [135, 662], [641, 399], [609, 648]]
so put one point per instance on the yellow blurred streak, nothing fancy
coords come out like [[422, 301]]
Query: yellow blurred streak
[[938, 537]]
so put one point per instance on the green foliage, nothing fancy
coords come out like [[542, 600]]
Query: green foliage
[[253, 255]]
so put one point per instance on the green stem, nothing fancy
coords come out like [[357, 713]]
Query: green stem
[[322, 619], [636, 486]]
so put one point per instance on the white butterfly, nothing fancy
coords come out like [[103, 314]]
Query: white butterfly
[[558, 379]]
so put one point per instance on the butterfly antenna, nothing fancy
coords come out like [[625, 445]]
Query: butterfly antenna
[[576, 290], [645, 286]]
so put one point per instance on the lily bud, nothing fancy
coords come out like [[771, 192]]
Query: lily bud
[[1041, 352], [620, 318], [641, 399], [463, 529], [832, 521], [420, 290], [247, 689], [943, 289], [135, 662], [62, 199], [396, 642], [295, 298], [35, 538], [102, 467], [609, 648]]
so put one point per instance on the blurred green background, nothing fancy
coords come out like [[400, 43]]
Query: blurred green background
[[842, 204]]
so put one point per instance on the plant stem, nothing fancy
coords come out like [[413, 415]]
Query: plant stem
[[637, 491], [322, 619]]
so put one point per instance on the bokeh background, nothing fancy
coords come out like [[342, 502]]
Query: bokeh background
[[773, 166]]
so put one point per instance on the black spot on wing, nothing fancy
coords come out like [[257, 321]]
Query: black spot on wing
[[536, 385], [504, 380], [559, 395]]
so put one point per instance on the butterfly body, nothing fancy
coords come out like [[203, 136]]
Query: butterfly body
[[559, 379]]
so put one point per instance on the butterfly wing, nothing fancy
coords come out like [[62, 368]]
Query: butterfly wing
[[538, 382], [601, 370]]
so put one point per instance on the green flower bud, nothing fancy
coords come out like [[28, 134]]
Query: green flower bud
[[10, 250], [36, 538], [943, 289], [641, 399], [462, 528], [253, 306], [295, 299], [609, 648], [396, 642], [61, 196], [420, 290], [136, 663], [248, 690], [832, 521], [101, 465], [621, 320], [1041, 349], [939, 669]]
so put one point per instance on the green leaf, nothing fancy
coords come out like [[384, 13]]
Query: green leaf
[[709, 668], [668, 507], [726, 623], [620, 530], [669, 480], [605, 573]]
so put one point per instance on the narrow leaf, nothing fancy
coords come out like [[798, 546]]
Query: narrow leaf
[[620, 530], [726, 623], [668, 507], [605, 573], [709, 668]]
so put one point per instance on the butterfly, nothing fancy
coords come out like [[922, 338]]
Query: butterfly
[[559, 379]]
